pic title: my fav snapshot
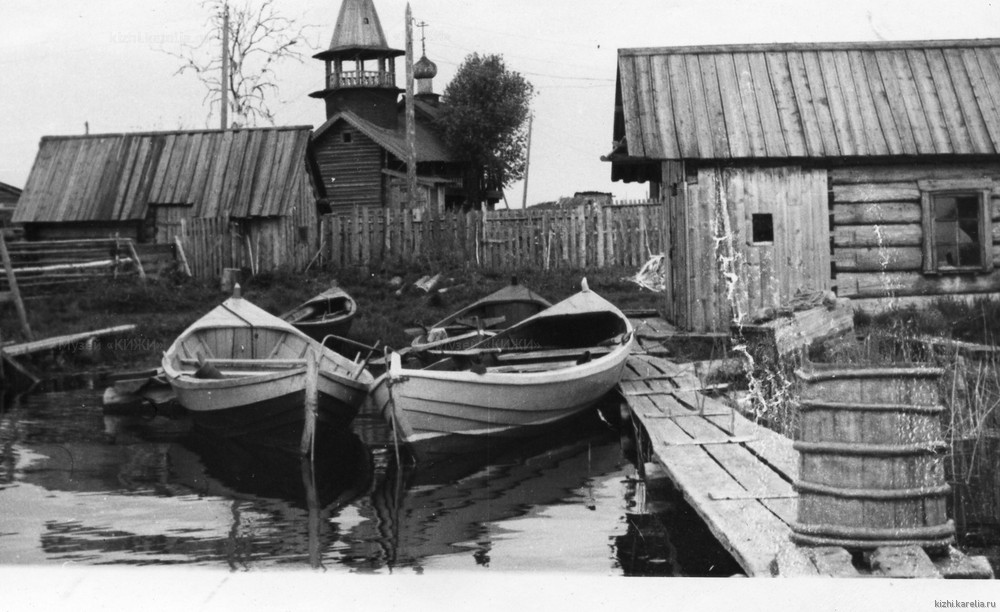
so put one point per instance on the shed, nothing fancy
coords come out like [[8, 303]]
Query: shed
[[142, 185], [8, 200], [868, 168]]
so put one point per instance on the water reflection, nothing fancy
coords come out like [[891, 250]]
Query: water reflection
[[448, 507], [80, 486]]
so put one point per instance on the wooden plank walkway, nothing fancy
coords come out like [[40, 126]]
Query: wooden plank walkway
[[737, 475]]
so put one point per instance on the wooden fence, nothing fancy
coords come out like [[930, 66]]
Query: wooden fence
[[41, 267], [587, 236], [210, 245]]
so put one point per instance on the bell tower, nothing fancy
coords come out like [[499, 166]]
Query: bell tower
[[360, 67]]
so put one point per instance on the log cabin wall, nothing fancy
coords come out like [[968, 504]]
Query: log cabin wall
[[747, 238], [350, 166], [880, 248]]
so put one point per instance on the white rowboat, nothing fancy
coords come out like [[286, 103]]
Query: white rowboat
[[242, 373], [548, 368]]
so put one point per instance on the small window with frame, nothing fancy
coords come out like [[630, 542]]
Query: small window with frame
[[957, 226]]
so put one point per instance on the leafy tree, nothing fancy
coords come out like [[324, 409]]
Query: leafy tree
[[259, 37], [484, 120]]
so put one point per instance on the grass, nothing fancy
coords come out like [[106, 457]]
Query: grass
[[162, 308]]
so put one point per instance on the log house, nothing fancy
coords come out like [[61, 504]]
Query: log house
[[870, 169]]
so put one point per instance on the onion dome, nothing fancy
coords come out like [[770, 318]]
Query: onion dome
[[424, 69]]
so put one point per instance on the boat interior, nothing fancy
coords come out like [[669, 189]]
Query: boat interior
[[567, 331], [234, 352], [322, 310], [491, 315], [549, 343]]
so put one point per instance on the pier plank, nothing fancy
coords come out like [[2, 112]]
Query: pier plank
[[745, 502], [743, 526]]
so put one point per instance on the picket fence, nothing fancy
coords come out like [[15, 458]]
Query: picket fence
[[210, 245], [586, 236]]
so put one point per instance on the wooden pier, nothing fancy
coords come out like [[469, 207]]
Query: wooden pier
[[738, 475]]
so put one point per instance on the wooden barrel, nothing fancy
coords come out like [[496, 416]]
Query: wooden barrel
[[871, 470]]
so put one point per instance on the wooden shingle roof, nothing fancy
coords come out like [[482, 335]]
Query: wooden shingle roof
[[115, 177], [809, 100], [358, 33]]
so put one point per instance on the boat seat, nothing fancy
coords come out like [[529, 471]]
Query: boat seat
[[574, 354], [526, 368], [258, 364], [540, 355]]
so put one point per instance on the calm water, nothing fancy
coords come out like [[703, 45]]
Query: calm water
[[79, 487]]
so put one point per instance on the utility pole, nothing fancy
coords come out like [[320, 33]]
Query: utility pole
[[411, 120], [527, 164], [224, 82]]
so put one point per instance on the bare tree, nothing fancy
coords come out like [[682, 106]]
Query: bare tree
[[259, 38]]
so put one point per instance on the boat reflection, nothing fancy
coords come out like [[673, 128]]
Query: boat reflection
[[341, 468], [163, 493], [281, 481], [447, 507]]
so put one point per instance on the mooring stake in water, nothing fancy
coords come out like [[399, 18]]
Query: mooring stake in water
[[308, 445]]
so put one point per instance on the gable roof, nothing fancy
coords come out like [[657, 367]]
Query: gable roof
[[809, 100], [115, 177], [429, 145]]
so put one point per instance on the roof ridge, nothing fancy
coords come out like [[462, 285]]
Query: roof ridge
[[813, 46], [275, 128]]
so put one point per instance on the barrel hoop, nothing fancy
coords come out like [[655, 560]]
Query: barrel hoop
[[876, 533], [934, 544], [876, 372], [811, 487], [811, 404], [875, 450]]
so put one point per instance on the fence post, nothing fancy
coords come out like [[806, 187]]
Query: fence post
[[366, 231]]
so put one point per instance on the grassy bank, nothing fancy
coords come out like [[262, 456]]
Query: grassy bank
[[388, 304]]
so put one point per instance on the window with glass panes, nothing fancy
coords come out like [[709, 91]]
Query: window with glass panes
[[957, 226]]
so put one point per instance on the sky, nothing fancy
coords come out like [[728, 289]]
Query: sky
[[108, 63]]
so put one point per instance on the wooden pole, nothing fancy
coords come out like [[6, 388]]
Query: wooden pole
[[181, 256], [14, 292], [308, 444], [527, 164], [224, 82], [411, 127]]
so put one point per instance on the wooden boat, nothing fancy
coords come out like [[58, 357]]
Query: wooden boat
[[242, 373], [330, 312], [483, 318], [542, 371]]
